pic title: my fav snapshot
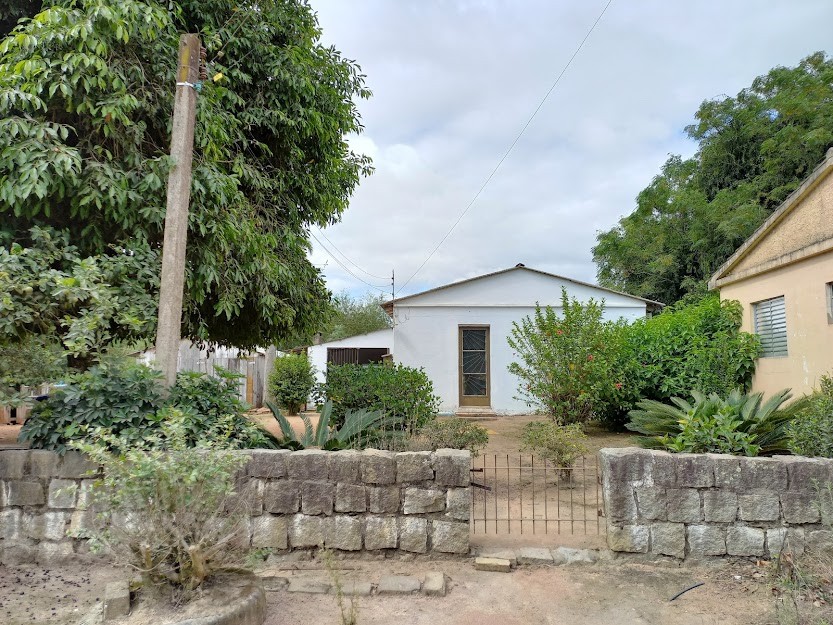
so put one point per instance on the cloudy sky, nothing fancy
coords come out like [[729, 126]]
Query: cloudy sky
[[453, 83]]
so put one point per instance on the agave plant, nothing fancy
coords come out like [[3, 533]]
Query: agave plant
[[739, 424], [360, 427]]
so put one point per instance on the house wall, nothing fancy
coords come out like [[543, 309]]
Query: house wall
[[809, 332], [318, 353], [427, 336]]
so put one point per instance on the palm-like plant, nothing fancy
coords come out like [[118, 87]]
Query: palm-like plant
[[359, 427], [740, 423]]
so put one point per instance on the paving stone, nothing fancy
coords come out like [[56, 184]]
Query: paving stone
[[720, 506], [745, 541], [650, 503], [61, 494], [306, 531], [345, 466], [495, 565], [706, 540], [450, 536], [307, 465], [378, 467], [800, 508], [354, 589], [434, 584], [310, 586], [569, 555], [500, 554], [381, 532], [383, 499], [458, 503], [398, 585], [694, 471], [282, 497], [344, 532], [350, 498], [423, 500], [668, 539], [534, 555], [267, 463], [317, 498], [759, 507], [628, 538], [270, 532], [413, 534], [452, 467], [414, 466], [116, 600], [683, 505]]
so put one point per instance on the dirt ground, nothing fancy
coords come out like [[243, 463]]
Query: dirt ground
[[602, 594]]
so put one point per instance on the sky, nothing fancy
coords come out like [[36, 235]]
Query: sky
[[454, 82]]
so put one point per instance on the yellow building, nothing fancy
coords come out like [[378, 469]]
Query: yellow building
[[783, 277]]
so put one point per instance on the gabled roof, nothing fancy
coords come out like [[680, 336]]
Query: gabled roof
[[787, 206], [388, 306]]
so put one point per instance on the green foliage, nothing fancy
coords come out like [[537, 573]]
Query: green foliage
[[570, 362], [811, 432], [291, 381], [158, 508], [32, 362], [126, 400], [85, 106], [561, 445], [738, 424], [352, 317], [402, 393], [360, 428], [453, 433], [14, 10], [754, 149]]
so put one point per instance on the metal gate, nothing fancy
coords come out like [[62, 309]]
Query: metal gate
[[519, 494]]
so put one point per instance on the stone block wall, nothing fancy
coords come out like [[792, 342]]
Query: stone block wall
[[697, 505], [417, 502]]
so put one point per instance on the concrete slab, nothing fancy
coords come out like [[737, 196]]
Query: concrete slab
[[398, 585], [434, 584]]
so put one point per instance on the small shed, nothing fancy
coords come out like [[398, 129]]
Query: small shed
[[361, 350]]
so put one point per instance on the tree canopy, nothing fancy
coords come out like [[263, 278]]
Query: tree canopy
[[353, 316], [754, 149], [86, 95]]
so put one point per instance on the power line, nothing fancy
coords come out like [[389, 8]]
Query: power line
[[511, 147], [364, 271], [345, 267]]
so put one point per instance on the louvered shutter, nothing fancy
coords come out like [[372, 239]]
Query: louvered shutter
[[771, 326]]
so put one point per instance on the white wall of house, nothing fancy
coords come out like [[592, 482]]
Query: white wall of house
[[427, 325], [318, 353]]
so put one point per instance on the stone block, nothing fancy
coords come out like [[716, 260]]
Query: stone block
[[24, 493], [819, 541], [355, 589], [12, 463], [745, 541], [307, 465], [452, 467], [458, 503], [706, 540], [383, 499], [380, 532], [449, 537], [18, 552], [252, 495], [306, 531], [116, 600], [789, 540], [378, 467], [414, 466], [345, 467], [802, 473], [494, 565], [398, 585], [694, 471], [625, 467], [76, 465], [663, 470], [759, 506], [282, 497], [569, 555], [668, 539], [310, 586], [267, 463], [42, 463], [762, 474], [423, 500], [350, 498], [534, 555], [628, 538], [317, 497], [344, 532], [726, 471], [62, 494], [413, 534], [619, 502], [47, 526], [270, 532], [85, 494], [81, 522], [499, 553], [50, 553], [683, 505], [434, 584], [10, 525], [720, 506], [651, 503]]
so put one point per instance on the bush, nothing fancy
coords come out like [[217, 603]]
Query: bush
[[739, 424], [126, 399], [571, 365], [811, 432], [402, 393], [158, 510], [31, 362], [291, 381], [561, 445], [453, 433]]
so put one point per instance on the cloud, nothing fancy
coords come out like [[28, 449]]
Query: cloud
[[455, 80]]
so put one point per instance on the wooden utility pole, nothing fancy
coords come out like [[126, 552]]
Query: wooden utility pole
[[176, 212]]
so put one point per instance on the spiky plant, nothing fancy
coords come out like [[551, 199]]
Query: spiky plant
[[740, 423]]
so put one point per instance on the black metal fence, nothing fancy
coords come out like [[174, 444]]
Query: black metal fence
[[519, 494]]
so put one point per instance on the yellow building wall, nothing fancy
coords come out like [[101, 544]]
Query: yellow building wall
[[809, 333]]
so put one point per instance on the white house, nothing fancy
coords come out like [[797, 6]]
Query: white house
[[458, 332], [360, 349]]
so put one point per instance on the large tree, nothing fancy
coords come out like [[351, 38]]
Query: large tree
[[754, 149], [86, 93], [353, 316]]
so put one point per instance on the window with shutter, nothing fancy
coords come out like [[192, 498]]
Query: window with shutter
[[771, 326], [830, 302]]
